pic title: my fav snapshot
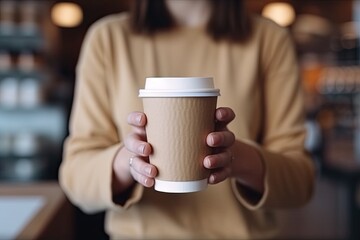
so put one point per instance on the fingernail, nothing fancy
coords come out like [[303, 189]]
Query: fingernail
[[138, 119], [148, 182], [207, 163], [212, 179], [148, 170], [141, 148], [221, 114], [215, 139]]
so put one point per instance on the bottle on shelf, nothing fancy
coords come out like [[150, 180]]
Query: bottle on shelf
[[7, 17], [9, 89], [29, 93], [28, 18], [5, 61]]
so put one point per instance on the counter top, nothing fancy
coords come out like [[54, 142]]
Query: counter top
[[52, 220]]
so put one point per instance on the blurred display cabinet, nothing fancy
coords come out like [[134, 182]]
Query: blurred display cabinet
[[32, 125], [339, 114]]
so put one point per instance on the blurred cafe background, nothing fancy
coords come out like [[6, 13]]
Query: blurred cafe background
[[39, 46]]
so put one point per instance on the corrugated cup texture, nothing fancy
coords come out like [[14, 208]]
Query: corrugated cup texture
[[177, 130]]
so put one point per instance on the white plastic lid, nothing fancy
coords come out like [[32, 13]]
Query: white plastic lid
[[179, 87]]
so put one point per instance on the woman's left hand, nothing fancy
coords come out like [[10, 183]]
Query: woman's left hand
[[220, 140]]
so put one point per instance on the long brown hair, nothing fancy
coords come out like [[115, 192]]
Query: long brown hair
[[228, 20]]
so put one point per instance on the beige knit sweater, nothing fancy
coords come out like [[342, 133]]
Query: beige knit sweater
[[258, 80]]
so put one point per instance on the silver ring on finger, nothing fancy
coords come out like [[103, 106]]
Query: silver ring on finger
[[131, 159], [232, 158]]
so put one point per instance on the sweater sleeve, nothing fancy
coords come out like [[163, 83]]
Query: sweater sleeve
[[289, 171], [86, 171]]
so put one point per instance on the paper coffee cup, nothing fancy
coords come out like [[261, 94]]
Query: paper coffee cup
[[180, 114]]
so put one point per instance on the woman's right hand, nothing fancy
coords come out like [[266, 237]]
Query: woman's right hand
[[132, 161]]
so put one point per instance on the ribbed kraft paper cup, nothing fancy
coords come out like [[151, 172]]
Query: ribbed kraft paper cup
[[180, 114]]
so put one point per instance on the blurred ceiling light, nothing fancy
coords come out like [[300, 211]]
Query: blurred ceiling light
[[66, 14], [280, 12]]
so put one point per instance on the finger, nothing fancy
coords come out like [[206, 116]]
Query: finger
[[134, 144], [224, 116], [137, 119], [219, 176], [220, 139], [142, 167], [219, 160], [142, 171], [139, 131]]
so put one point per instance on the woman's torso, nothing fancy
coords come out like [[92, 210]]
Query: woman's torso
[[214, 213]]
